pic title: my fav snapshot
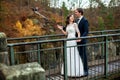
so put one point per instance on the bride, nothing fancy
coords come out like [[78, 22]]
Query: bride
[[74, 62]]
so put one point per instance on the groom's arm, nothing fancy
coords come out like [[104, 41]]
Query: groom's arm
[[85, 27]]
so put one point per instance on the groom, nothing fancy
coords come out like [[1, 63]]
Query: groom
[[83, 27]]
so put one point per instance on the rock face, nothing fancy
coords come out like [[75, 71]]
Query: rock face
[[28, 71], [95, 51]]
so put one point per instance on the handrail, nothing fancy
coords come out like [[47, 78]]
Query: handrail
[[32, 37], [63, 39], [105, 31], [56, 35]]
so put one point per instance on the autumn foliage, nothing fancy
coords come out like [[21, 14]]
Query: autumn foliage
[[28, 29], [18, 21]]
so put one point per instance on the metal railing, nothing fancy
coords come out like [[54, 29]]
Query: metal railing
[[52, 53], [56, 36]]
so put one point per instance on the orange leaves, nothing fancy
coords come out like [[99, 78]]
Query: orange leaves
[[56, 18]]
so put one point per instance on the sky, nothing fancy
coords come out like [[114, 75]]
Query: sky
[[84, 3]]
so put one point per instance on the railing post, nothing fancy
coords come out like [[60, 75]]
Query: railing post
[[12, 55], [102, 48], [65, 59], [39, 47], [106, 56]]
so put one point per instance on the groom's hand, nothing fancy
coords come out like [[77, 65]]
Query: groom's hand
[[78, 40]]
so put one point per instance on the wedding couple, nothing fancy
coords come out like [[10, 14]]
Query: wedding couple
[[77, 65]]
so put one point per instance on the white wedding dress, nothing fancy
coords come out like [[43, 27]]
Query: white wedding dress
[[74, 62]]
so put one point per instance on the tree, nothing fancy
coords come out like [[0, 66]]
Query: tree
[[101, 23], [65, 11], [114, 3], [114, 13], [110, 20]]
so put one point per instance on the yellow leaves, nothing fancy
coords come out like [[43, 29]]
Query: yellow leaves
[[18, 25], [29, 29], [28, 22]]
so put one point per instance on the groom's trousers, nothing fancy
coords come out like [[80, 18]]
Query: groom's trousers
[[83, 55]]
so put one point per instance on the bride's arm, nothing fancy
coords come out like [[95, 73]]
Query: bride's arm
[[61, 28], [78, 31]]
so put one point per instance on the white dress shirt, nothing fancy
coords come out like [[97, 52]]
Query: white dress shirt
[[79, 19]]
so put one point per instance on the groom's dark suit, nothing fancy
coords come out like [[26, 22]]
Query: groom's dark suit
[[83, 27]]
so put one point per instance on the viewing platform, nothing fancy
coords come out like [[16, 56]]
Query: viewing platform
[[103, 51]]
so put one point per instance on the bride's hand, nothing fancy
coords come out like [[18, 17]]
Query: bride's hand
[[60, 27]]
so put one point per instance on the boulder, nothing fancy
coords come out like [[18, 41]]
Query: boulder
[[28, 71]]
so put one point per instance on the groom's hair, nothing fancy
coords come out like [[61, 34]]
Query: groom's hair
[[80, 10]]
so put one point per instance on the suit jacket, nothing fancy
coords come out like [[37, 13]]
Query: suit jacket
[[83, 27]]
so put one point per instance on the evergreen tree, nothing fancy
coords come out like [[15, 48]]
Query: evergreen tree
[[65, 11]]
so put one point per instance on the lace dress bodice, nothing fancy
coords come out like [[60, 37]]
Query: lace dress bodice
[[71, 30]]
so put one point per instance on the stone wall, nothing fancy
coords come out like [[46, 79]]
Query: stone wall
[[3, 42], [28, 71], [4, 57]]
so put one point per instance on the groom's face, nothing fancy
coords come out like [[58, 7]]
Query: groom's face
[[77, 14]]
